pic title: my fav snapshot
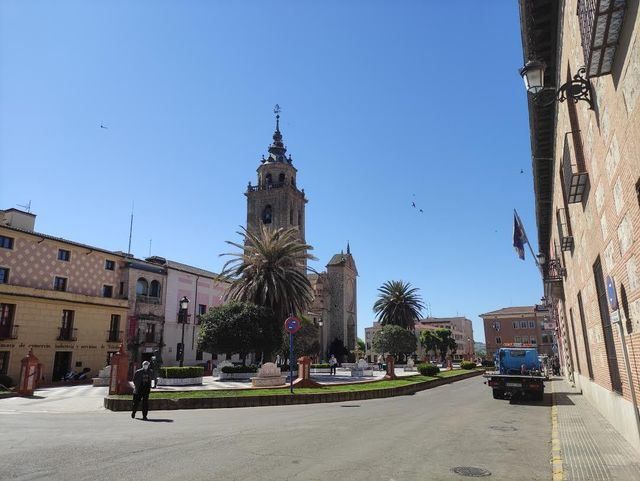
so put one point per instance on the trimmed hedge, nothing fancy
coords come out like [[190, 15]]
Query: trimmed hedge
[[181, 372], [467, 365], [320, 366], [428, 369], [239, 369], [486, 363]]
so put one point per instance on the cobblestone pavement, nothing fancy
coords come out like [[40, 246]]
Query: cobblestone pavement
[[590, 448]]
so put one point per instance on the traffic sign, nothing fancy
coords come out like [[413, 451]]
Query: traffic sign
[[611, 294], [292, 325]]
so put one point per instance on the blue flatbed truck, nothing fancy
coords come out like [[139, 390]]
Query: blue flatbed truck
[[517, 372]]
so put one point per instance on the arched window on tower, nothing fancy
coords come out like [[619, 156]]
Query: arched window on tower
[[268, 180], [281, 178], [142, 287], [267, 215]]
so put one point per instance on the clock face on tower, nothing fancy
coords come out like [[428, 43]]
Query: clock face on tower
[[351, 295]]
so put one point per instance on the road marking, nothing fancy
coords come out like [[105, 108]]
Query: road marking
[[556, 449]]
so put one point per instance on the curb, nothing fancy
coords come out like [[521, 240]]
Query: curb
[[119, 404], [556, 449]]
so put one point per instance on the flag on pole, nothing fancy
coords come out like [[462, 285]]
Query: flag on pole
[[519, 237]]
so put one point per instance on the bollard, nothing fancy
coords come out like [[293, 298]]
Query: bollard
[[29, 372], [119, 380]]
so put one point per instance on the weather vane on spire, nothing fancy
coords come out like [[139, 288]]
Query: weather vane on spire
[[276, 110]]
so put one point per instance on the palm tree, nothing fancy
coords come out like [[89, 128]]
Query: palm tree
[[269, 271], [398, 304]]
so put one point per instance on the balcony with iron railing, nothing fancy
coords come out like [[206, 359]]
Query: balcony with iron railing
[[8, 332], [273, 185], [67, 334], [553, 275], [600, 25], [146, 338], [574, 172], [145, 299], [114, 336]]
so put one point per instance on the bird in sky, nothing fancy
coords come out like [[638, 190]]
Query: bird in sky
[[522, 171], [413, 204], [103, 127], [421, 211]]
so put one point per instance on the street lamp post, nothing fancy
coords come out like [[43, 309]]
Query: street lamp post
[[320, 324], [183, 318], [575, 89]]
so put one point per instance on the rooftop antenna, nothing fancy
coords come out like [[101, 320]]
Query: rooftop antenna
[[429, 309], [150, 247], [26, 207], [130, 229]]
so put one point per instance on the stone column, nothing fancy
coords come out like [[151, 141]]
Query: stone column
[[391, 368], [119, 379], [29, 372], [304, 373]]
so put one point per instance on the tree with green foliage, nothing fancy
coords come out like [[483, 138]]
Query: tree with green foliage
[[395, 340], [238, 327], [361, 344], [398, 304], [305, 342], [268, 271], [439, 341]]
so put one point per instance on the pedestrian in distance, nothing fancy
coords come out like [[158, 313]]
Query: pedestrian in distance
[[333, 365], [142, 382], [380, 361]]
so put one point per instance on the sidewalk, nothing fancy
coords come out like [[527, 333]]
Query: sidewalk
[[588, 447]]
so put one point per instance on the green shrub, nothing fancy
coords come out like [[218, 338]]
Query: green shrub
[[428, 369], [181, 372], [239, 369], [6, 381], [486, 363], [320, 366], [467, 365]]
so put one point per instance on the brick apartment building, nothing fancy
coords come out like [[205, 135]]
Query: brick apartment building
[[586, 170], [518, 326]]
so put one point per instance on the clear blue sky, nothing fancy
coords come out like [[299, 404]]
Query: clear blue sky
[[381, 100]]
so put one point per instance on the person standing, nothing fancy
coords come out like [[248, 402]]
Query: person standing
[[380, 361], [142, 380], [333, 365]]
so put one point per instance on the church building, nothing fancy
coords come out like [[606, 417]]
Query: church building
[[277, 201]]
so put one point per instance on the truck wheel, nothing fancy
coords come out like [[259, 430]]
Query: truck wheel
[[498, 394], [538, 396]]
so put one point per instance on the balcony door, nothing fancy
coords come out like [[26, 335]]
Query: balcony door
[[61, 365]]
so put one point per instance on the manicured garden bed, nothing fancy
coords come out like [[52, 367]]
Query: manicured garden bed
[[200, 399]]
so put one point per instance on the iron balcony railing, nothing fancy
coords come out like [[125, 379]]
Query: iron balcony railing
[[146, 338], [67, 334], [114, 336], [8, 332], [148, 299], [564, 230], [553, 270]]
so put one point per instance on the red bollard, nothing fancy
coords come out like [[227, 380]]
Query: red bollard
[[29, 372], [304, 373], [119, 380], [391, 368]]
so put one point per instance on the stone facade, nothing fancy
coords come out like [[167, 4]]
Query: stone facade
[[586, 240], [276, 201]]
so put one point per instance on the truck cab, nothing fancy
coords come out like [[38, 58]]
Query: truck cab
[[517, 371]]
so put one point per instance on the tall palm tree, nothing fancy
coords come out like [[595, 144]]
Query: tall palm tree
[[269, 271], [398, 304]]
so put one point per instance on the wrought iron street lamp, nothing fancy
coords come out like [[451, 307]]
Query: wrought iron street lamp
[[576, 89], [183, 318]]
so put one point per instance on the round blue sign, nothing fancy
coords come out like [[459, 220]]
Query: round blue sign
[[292, 325], [611, 294]]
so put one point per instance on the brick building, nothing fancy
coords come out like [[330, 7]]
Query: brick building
[[586, 168], [515, 326]]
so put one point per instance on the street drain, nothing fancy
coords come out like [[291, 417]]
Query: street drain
[[350, 405], [471, 472], [503, 428]]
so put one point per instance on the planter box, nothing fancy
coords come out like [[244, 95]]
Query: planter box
[[229, 376], [174, 381], [321, 370], [361, 372], [100, 381]]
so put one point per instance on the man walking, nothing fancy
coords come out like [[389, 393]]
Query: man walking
[[142, 379]]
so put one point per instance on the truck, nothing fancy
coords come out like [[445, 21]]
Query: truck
[[518, 371]]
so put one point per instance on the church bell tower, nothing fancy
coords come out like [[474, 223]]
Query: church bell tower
[[275, 200]]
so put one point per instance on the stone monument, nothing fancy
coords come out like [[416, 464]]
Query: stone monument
[[268, 375]]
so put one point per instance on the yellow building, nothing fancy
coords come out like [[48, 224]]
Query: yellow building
[[60, 298]]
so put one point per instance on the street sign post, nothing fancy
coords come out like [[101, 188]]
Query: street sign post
[[291, 325], [611, 294]]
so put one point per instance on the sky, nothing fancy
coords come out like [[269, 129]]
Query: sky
[[383, 104]]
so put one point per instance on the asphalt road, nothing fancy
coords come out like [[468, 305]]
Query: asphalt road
[[419, 437]]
